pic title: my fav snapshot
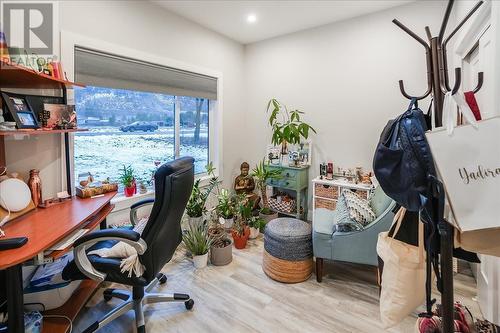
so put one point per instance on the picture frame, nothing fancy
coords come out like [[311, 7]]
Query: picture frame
[[20, 111]]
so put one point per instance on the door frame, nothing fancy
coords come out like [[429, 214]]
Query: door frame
[[487, 18]]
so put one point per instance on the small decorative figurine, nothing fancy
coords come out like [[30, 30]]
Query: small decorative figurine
[[245, 184]]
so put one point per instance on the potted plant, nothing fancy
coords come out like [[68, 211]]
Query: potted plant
[[261, 175], [197, 243], [127, 179], [221, 249], [255, 223], [287, 126], [195, 207], [225, 208], [241, 231]]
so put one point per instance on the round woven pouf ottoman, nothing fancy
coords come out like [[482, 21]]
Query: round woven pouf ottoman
[[288, 250]]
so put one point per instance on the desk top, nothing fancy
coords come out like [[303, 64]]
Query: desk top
[[45, 227]]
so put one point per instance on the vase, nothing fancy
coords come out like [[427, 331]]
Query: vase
[[200, 261], [228, 223], [129, 191], [240, 241], [268, 217], [195, 221], [35, 185], [254, 233], [221, 256]]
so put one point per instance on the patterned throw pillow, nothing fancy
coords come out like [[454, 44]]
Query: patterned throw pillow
[[342, 218], [359, 208]]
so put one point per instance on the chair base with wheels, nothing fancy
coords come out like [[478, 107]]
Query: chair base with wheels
[[155, 247], [136, 300]]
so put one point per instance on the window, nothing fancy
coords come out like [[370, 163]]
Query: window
[[138, 114], [137, 128]]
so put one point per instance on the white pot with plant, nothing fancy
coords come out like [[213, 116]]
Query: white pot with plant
[[262, 175], [225, 208], [255, 223], [287, 126], [196, 205], [197, 243]]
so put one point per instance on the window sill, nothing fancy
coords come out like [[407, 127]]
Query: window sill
[[122, 202]]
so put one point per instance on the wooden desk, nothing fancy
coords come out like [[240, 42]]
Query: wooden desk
[[44, 228]]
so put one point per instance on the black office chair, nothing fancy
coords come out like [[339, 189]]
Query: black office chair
[[159, 240]]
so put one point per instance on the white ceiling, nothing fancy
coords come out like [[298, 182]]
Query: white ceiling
[[274, 18]]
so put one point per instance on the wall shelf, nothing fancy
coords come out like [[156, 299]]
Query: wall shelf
[[40, 131], [15, 76]]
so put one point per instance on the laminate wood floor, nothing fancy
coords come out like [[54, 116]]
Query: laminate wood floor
[[241, 298]]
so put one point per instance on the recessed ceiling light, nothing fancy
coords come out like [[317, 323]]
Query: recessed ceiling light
[[251, 18]]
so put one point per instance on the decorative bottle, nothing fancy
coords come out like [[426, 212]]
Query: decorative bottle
[[35, 185]]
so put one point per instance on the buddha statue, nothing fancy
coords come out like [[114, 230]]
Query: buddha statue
[[245, 184]]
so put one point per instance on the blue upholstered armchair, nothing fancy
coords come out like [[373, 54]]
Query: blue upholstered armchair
[[356, 246]]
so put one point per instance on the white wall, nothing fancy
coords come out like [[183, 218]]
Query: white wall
[[344, 76], [149, 28]]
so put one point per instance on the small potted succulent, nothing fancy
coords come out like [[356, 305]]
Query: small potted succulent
[[221, 250], [225, 208], [255, 223], [262, 175], [197, 243], [241, 231], [127, 179]]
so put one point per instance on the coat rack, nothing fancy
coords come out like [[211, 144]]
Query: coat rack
[[438, 84]]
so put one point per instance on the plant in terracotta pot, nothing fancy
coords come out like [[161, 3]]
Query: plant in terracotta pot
[[127, 179], [287, 126], [197, 243], [221, 250], [240, 230], [225, 208], [262, 175]]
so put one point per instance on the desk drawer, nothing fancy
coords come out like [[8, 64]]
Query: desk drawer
[[326, 191], [324, 203]]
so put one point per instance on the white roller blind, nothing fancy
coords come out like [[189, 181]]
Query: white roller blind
[[101, 69]]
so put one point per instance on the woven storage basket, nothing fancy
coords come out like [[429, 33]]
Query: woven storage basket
[[287, 207], [322, 203], [326, 191]]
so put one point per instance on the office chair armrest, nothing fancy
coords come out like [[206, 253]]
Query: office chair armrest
[[136, 206], [81, 245]]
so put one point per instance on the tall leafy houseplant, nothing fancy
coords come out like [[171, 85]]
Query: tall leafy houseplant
[[127, 179], [287, 126], [261, 175], [196, 203]]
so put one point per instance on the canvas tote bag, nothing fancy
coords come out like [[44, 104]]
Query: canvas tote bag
[[403, 277], [468, 161]]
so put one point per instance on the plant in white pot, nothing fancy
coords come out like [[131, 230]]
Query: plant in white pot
[[221, 250], [196, 205], [255, 223], [225, 208], [262, 175], [197, 243]]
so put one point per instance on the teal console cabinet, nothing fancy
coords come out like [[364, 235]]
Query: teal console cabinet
[[295, 180]]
